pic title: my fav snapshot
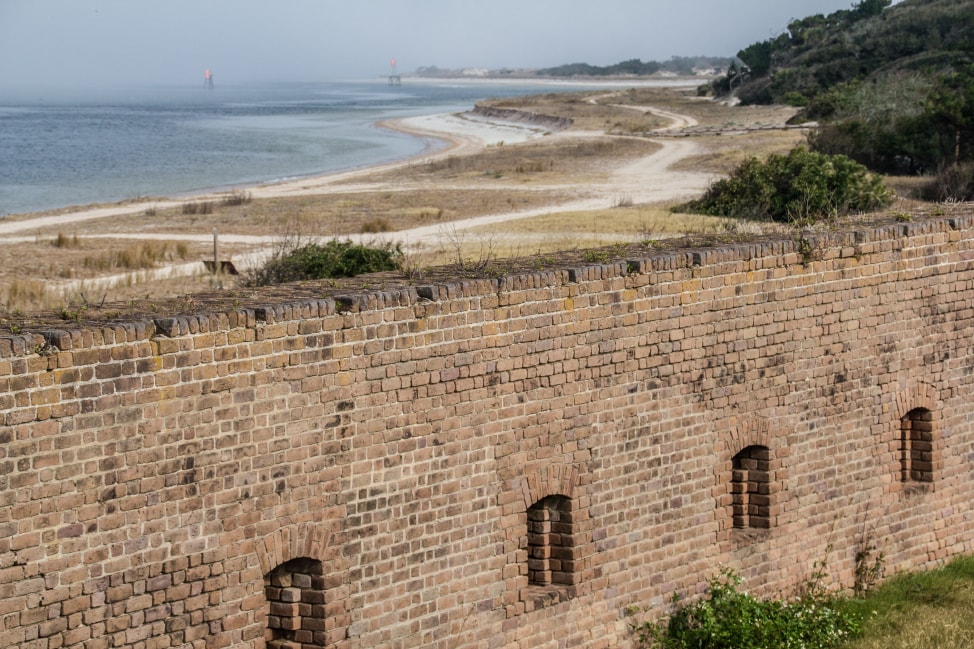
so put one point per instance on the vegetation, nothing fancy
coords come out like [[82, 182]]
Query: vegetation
[[927, 610], [729, 618], [801, 185], [237, 197], [685, 65], [198, 207], [64, 241], [302, 261], [953, 184], [820, 52], [902, 124], [893, 85], [141, 256], [547, 171]]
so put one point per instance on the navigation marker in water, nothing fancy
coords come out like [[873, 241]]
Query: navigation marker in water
[[394, 78]]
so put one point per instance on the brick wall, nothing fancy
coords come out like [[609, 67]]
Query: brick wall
[[359, 472]]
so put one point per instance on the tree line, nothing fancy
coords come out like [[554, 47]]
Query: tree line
[[892, 86]]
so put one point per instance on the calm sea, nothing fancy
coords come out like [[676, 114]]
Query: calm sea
[[63, 150]]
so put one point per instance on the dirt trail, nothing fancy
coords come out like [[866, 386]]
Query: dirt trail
[[649, 179]]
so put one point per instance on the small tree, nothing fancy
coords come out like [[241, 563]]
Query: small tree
[[802, 186]]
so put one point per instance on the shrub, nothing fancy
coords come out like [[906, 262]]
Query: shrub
[[64, 241], [727, 618], [333, 259], [374, 226], [198, 207], [801, 185], [954, 183]]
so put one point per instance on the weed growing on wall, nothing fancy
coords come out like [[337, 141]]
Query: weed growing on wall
[[729, 618]]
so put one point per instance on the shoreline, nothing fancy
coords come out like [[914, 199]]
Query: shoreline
[[443, 137], [444, 128], [446, 134]]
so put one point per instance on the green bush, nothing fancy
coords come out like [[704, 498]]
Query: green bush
[[727, 618], [333, 259], [802, 186]]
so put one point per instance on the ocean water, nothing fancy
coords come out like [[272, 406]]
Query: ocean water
[[59, 150]]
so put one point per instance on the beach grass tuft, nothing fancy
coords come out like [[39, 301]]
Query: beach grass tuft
[[64, 241], [138, 257], [26, 294], [198, 207]]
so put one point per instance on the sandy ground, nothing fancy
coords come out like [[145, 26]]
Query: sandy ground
[[649, 179]]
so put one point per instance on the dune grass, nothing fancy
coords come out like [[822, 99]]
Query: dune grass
[[143, 255]]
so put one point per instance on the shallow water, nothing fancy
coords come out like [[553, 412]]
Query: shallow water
[[58, 150]]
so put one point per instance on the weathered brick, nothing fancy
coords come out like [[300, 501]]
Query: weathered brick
[[376, 464]]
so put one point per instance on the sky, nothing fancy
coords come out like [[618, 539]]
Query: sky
[[93, 43]]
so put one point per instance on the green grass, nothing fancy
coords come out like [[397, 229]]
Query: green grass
[[927, 610], [923, 610]]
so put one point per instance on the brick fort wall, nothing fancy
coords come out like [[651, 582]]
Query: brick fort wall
[[491, 464]]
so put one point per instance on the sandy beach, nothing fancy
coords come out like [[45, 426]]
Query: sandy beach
[[652, 177], [454, 133]]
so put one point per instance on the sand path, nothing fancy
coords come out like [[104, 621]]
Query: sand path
[[649, 179]]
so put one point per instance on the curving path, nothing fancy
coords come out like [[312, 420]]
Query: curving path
[[649, 179]]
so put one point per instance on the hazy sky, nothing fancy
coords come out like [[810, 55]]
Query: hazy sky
[[121, 42]]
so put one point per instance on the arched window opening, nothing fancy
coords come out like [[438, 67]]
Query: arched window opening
[[295, 593], [916, 446], [551, 545], [751, 488]]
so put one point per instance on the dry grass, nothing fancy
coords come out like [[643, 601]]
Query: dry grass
[[139, 256], [636, 222], [596, 109], [335, 214], [562, 231], [64, 241], [553, 160], [723, 153], [27, 294]]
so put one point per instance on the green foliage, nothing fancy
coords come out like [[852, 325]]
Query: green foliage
[[903, 123], [922, 610], [757, 57], [728, 618], [632, 66], [331, 260], [678, 64], [893, 81], [802, 185], [950, 109]]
